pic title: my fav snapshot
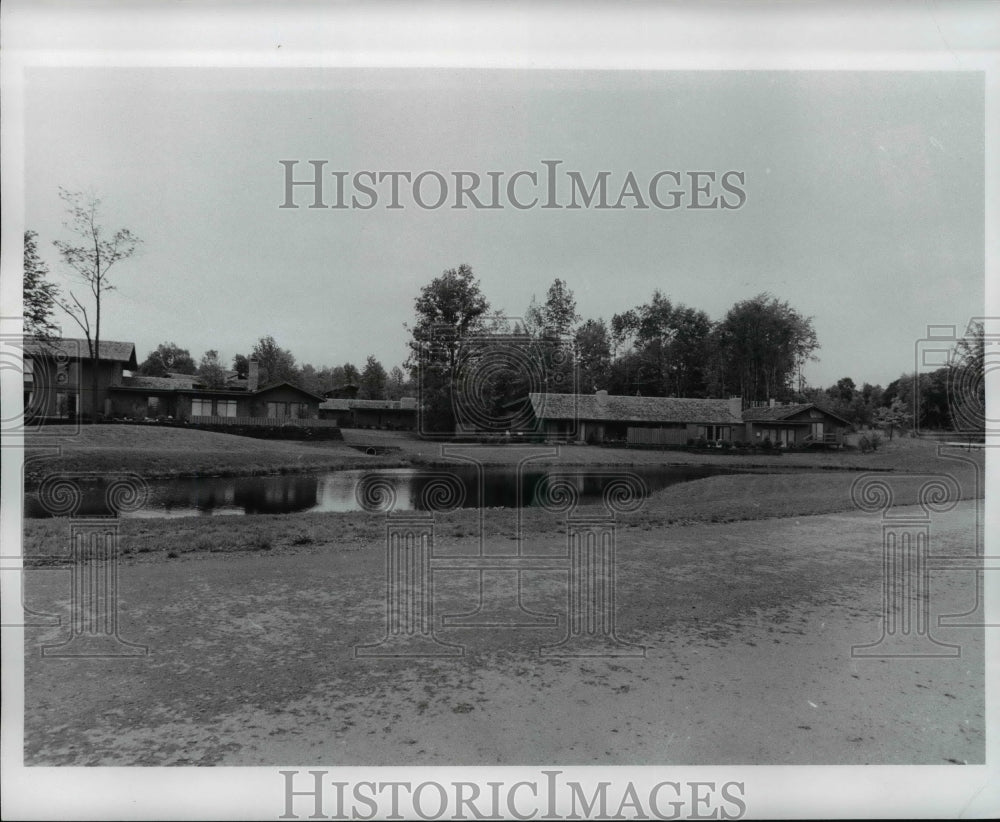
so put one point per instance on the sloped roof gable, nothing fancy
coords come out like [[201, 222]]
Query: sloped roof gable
[[632, 409]]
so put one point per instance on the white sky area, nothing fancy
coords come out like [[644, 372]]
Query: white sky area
[[865, 199]]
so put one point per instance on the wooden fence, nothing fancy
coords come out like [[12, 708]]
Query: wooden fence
[[264, 421]]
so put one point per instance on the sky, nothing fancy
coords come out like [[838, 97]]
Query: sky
[[864, 199]]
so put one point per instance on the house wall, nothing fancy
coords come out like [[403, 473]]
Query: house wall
[[59, 388], [398, 418], [282, 394]]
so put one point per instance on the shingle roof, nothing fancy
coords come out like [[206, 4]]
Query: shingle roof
[[298, 388], [167, 383], [632, 409], [343, 404], [76, 349], [781, 412]]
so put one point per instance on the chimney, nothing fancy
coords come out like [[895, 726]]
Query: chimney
[[253, 374], [602, 397], [736, 406]]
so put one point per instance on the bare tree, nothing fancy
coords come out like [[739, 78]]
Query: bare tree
[[90, 257]]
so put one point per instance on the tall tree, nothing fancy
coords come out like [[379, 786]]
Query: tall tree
[[967, 381], [90, 257], [449, 310], [395, 386], [40, 295], [211, 370], [764, 342], [276, 364], [168, 357], [556, 317], [593, 355], [373, 380]]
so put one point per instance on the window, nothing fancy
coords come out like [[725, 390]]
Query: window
[[226, 408], [152, 406], [61, 410], [276, 409], [201, 408]]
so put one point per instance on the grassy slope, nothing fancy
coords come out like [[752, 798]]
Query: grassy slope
[[166, 452]]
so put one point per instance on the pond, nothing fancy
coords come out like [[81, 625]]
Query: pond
[[399, 489]]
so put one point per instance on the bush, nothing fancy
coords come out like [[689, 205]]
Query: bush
[[727, 444], [766, 444], [690, 441], [701, 442]]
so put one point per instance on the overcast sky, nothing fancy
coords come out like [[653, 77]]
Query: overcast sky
[[864, 200]]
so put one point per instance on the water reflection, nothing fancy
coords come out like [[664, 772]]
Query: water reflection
[[462, 486]]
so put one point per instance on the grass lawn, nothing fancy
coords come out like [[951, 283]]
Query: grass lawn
[[160, 452], [156, 452]]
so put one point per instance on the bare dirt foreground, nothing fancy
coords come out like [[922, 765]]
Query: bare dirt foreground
[[747, 627]]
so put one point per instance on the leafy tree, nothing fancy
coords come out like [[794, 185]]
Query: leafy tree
[[346, 374], [593, 355], [168, 357], [449, 310], [40, 295], [373, 380], [966, 392], [211, 370], [556, 318], [90, 257], [276, 364], [895, 416], [395, 387], [241, 365], [763, 343], [666, 348]]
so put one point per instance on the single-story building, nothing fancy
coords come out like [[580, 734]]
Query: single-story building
[[793, 424], [353, 413], [602, 417]]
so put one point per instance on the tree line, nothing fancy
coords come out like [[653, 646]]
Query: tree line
[[463, 352], [458, 343]]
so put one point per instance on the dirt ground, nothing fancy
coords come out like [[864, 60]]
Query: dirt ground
[[746, 627]]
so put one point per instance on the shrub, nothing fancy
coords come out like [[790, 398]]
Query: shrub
[[701, 442], [727, 444], [766, 444], [690, 441]]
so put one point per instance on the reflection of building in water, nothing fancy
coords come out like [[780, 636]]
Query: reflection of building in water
[[281, 495]]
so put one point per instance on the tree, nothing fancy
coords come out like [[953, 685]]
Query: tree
[[967, 381], [211, 371], [395, 387], [373, 380], [90, 258], [763, 343], [593, 355], [40, 295], [275, 363], [666, 348], [893, 417], [557, 317], [168, 357], [449, 310], [241, 365]]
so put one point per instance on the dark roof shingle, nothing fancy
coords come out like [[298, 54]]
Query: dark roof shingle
[[77, 349], [632, 409]]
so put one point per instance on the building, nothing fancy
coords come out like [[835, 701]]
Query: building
[[793, 424], [58, 377], [398, 415], [600, 418], [58, 386]]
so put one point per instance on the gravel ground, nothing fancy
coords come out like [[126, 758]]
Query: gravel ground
[[747, 629]]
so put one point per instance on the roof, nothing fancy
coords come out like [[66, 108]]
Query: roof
[[286, 384], [344, 404], [767, 413], [165, 383], [77, 349], [632, 409]]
